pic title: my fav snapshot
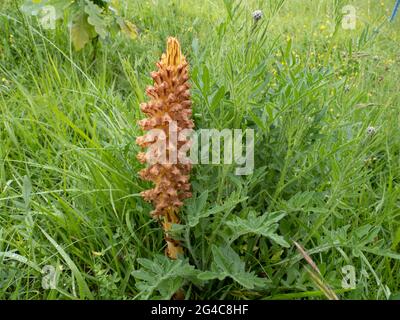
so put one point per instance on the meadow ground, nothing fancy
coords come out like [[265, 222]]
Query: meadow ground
[[323, 101]]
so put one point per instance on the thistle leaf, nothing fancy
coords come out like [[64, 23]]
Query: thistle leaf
[[197, 208], [264, 225], [162, 275], [227, 263]]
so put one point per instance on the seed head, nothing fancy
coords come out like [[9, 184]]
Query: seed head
[[257, 15], [371, 131]]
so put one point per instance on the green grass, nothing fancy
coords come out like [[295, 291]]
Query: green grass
[[69, 187]]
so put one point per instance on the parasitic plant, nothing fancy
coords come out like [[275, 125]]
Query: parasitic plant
[[168, 116]]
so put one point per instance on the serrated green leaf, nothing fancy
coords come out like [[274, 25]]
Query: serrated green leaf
[[210, 275], [264, 225], [226, 259], [96, 18], [302, 200], [249, 280], [162, 275], [197, 211], [279, 240], [195, 208], [227, 263]]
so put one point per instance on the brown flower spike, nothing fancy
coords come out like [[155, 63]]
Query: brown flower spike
[[169, 104]]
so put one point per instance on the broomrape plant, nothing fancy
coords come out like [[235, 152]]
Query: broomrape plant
[[169, 103]]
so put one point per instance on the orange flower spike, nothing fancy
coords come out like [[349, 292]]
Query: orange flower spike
[[169, 103]]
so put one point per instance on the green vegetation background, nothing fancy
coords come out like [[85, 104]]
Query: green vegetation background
[[69, 188]]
